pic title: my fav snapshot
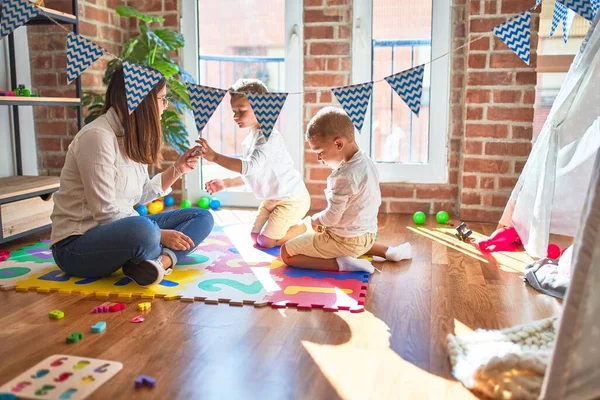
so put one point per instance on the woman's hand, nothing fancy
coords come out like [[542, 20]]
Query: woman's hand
[[188, 161], [175, 240], [206, 151], [214, 186]]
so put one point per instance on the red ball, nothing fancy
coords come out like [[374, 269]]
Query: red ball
[[553, 251]]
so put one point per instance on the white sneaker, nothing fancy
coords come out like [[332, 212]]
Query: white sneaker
[[146, 273]]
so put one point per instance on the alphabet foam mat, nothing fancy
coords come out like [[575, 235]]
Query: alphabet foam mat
[[226, 268]]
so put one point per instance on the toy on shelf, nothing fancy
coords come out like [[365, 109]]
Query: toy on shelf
[[554, 251], [503, 239], [7, 93], [204, 202], [23, 91], [462, 232], [419, 217], [185, 203], [169, 201], [442, 217], [142, 210]]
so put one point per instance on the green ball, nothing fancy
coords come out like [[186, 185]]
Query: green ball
[[442, 217], [204, 202], [419, 217], [186, 203]]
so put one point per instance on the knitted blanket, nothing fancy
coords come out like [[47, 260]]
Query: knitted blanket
[[504, 364]]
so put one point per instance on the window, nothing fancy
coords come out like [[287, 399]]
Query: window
[[220, 49], [390, 37]]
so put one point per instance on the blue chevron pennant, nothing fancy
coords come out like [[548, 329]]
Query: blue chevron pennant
[[139, 81], [567, 23], [14, 14], [409, 86], [586, 8], [516, 34], [355, 100], [81, 53], [205, 101], [559, 15], [267, 107]]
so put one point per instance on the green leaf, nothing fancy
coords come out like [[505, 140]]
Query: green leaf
[[126, 11], [179, 90], [174, 131], [143, 29], [173, 40], [168, 69]]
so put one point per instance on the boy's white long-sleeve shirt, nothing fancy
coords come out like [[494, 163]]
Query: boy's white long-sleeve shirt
[[353, 198], [268, 169]]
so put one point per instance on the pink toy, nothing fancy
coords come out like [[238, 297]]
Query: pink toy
[[101, 309], [554, 251], [137, 320], [117, 307], [4, 255], [504, 239]]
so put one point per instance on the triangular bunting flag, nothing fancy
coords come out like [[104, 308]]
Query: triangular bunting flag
[[585, 8], [205, 101], [559, 15], [567, 23], [81, 53], [139, 81], [537, 3], [266, 107], [409, 86], [355, 100], [516, 33], [14, 14]]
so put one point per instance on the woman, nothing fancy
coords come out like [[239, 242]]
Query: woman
[[95, 229]]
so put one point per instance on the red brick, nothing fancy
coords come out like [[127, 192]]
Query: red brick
[[514, 6], [489, 78], [325, 97], [486, 130], [500, 199], [344, 32], [506, 60], [338, 2], [53, 160], [91, 80], [109, 33], [317, 203], [490, 7], [318, 32], [473, 147], [480, 44], [50, 42], [40, 113], [521, 114], [469, 181], [507, 96], [310, 97], [485, 165], [316, 188], [480, 215], [346, 64], [52, 128], [88, 29], [475, 7], [507, 183], [409, 207], [397, 192], [529, 97], [474, 113], [453, 177], [333, 64], [459, 30], [329, 49], [477, 60], [443, 206], [485, 24], [49, 144], [508, 149], [444, 192], [56, 113], [519, 165], [313, 3], [470, 198], [487, 182], [314, 64], [324, 80], [526, 78], [319, 174], [41, 62], [99, 15], [522, 132], [477, 96], [312, 16], [60, 62]]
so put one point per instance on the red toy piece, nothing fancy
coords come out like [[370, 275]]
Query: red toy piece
[[4, 255], [117, 307], [554, 251], [504, 239]]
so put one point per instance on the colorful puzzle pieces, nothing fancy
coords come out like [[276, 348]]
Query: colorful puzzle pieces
[[74, 337], [56, 314], [144, 306], [117, 307], [137, 320], [145, 380], [99, 327]]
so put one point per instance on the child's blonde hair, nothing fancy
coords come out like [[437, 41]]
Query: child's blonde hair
[[247, 85], [328, 123]]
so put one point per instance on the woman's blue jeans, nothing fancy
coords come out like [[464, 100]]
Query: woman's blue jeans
[[104, 249]]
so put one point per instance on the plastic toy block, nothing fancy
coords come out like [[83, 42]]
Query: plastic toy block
[[56, 314], [144, 306], [100, 309], [74, 337], [145, 380], [117, 307], [7, 396], [137, 320], [99, 327]]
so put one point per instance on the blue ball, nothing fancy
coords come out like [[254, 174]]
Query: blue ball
[[169, 201], [215, 203], [142, 210]]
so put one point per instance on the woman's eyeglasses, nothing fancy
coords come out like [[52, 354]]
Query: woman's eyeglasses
[[165, 101]]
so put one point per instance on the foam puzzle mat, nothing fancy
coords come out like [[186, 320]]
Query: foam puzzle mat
[[226, 268]]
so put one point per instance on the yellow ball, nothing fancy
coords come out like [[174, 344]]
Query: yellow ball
[[155, 207]]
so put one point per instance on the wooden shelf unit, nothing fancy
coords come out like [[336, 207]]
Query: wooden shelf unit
[[39, 101]]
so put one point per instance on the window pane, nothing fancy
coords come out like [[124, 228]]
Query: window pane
[[401, 40]]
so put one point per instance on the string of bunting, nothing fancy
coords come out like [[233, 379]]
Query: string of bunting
[[408, 84]]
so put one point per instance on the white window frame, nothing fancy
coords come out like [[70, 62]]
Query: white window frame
[[436, 170], [294, 82]]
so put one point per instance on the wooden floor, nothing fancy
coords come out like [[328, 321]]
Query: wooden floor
[[395, 349]]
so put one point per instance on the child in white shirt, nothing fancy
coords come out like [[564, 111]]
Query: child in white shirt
[[346, 229], [267, 168]]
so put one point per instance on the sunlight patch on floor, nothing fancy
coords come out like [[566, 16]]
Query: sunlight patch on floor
[[240, 237]]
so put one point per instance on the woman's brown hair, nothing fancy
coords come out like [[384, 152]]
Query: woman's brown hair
[[142, 128]]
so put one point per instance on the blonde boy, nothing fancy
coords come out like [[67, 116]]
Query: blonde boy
[[267, 168], [346, 229]]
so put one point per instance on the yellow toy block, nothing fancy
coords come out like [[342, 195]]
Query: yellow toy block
[[56, 314], [144, 306]]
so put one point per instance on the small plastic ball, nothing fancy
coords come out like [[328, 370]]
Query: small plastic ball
[[215, 203], [442, 217], [155, 207], [185, 203], [553, 251], [142, 210], [419, 217], [204, 202], [169, 201]]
